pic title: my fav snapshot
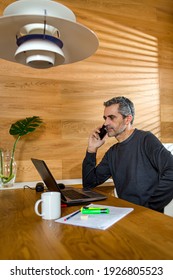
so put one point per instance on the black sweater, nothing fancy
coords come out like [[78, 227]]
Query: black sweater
[[141, 168]]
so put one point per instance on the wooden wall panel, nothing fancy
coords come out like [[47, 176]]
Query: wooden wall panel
[[134, 59]]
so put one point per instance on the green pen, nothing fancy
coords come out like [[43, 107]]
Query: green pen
[[92, 210]]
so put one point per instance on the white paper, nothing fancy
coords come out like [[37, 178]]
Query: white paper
[[99, 221]]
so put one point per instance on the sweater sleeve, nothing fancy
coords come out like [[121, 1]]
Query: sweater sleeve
[[93, 175], [162, 161]]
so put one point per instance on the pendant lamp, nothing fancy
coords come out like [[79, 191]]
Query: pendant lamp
[[43, 34]]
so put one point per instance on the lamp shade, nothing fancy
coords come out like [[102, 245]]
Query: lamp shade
[[39, 51], [57, 37]]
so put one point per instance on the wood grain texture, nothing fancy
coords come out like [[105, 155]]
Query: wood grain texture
[[134, 59], [142, 235]]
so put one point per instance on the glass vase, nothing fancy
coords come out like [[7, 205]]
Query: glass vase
[[8, 169]]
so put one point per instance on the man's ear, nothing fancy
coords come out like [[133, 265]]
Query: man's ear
[[129, 119]]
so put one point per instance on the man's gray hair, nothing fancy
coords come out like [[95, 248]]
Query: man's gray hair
[[126, 107]]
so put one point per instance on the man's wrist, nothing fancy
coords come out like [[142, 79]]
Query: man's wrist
[[91, 150]]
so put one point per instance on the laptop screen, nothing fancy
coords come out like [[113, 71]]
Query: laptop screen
[[46, 176]]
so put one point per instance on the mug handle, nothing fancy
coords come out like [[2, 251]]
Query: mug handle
[[36, 207]]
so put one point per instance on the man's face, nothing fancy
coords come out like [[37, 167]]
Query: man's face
[[114, 121]]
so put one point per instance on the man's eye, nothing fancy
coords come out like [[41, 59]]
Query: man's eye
[[111, 117]]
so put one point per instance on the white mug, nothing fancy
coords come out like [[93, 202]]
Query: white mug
[[50, 206]]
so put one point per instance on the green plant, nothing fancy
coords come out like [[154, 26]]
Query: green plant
[[18, 129]]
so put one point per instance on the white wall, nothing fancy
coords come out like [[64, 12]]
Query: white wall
[[169, 208]]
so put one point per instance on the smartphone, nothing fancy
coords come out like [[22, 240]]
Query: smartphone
[[103, 132]]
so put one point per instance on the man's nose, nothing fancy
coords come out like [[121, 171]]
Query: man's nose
[[106, 122]]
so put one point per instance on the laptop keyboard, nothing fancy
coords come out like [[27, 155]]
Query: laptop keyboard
[[72, 194]]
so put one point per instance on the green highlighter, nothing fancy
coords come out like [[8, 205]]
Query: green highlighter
[[92, 210]]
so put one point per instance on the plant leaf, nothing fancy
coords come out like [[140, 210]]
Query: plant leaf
[[25, 126]]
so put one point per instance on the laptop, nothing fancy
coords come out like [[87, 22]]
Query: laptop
[[69, 195]]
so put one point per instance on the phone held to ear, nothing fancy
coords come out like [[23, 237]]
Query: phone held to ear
[[103, 132]]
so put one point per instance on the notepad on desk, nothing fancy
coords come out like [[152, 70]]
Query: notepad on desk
[[97, 221]]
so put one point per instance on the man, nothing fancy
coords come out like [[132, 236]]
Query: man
[[140, 166]]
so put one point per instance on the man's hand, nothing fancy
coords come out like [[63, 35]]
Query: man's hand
[[94, 141]]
